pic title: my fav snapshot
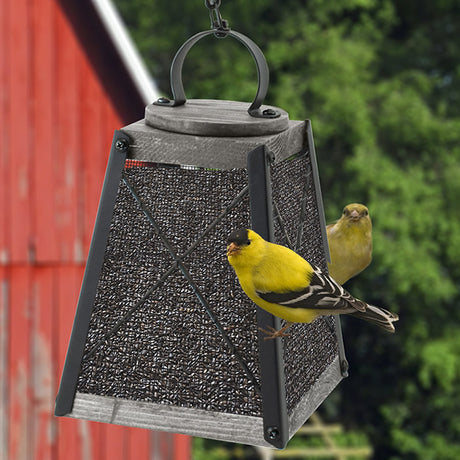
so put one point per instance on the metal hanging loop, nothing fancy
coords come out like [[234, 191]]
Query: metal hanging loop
[[177, 86], [221, 30]]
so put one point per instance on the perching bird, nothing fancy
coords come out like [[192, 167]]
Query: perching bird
[[286, 285], [350, 243]]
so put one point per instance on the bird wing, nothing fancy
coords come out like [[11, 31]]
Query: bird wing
[[323, 293]]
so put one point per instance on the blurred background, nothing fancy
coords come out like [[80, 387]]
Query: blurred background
[[380, 81]]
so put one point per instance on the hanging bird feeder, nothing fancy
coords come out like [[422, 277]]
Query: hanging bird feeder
[[164, 338]]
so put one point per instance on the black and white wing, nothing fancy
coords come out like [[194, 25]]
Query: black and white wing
[[323, 293]]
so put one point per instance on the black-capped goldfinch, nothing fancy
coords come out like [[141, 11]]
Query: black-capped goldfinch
[[350, 243], [286, 285]]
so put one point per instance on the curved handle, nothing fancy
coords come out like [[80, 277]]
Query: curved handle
[[177, 86]]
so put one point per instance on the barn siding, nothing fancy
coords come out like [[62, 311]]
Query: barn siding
[[57, 121]]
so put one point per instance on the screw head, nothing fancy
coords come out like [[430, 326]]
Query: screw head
[[344, 368], [121, 145], [273, 432], [163, 100], [269, 113]]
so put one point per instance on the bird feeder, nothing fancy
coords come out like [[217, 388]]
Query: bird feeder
[[164, 338]]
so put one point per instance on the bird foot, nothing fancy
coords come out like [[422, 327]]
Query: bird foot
[[272, 333]]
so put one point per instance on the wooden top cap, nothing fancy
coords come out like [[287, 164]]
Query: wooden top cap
[[206, 117]]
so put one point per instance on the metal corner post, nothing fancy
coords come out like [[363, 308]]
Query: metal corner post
[[276, 428], [322, 218], [317, 184], [67, 388]]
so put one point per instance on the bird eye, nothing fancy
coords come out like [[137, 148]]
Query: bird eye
[[366, 212], [345, 211], [248, 242]]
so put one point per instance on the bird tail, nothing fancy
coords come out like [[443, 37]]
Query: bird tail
[[378, 316]]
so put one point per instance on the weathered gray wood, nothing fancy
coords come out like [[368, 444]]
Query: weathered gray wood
[[195, 422], [152, 144], [319, 391], [207, 117], [198, 422]]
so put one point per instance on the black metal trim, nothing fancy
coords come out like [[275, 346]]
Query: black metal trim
[[68, 385], [322, 218], [341, 346], [276, 427], [317, 184]]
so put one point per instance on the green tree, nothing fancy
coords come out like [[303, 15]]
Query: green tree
[[380, 80]]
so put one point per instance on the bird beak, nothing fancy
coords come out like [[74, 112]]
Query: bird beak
[[232, 249], [354, 214]]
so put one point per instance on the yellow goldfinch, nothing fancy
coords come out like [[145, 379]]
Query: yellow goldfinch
[[350, 243], [286, 285]]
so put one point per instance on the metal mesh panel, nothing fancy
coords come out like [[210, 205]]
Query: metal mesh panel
[[310, 348], [159, 344]]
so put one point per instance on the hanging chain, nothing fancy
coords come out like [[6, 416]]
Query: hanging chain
[[217, 23]]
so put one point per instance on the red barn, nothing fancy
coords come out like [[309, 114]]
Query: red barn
[[69, 76]]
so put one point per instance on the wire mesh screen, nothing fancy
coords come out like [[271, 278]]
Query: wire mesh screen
[[170, 324], [310, 348]]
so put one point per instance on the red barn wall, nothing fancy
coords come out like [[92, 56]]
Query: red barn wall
[[57, 122]]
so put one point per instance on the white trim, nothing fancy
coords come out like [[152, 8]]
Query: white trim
[[127, 50]]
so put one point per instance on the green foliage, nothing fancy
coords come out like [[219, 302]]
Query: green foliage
[[204, 449], [380, 80]]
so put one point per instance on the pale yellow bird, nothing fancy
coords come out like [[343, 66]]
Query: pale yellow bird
[[350, 243]]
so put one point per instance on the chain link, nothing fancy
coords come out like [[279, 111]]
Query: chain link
[[211, 4], [217, 23]]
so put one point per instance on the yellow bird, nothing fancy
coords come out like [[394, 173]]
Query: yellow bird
[[350, 243], [286, 285]]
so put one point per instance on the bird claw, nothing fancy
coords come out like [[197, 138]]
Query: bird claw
[[272, 333]]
